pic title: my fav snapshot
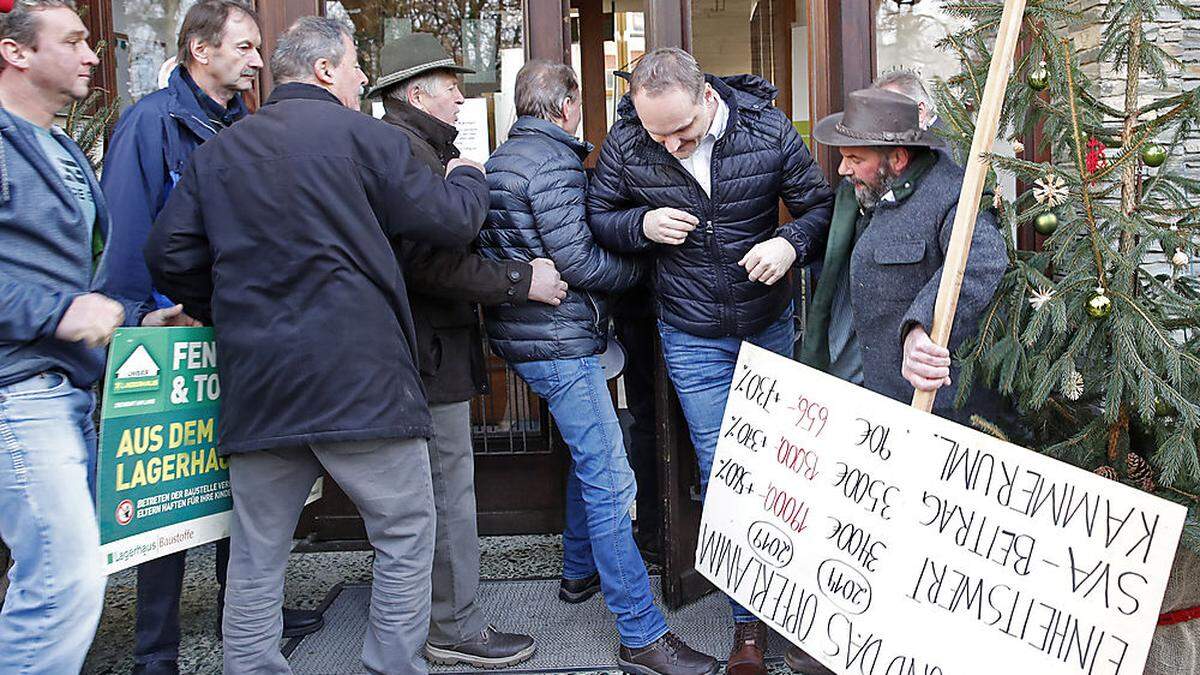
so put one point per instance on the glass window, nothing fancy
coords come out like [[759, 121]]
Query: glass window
[[484, 35], [145, 33], [906, 32]]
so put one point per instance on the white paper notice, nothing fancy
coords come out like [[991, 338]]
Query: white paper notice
[[887, 541], [472, 127]]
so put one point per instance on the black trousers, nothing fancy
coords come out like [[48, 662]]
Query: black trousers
[[159, 585]]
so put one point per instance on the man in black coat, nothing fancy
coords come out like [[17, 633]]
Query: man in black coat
[[693, 172], [421, 98], [279, 233]]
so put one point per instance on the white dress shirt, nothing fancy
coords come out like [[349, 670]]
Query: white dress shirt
[[700, 162]]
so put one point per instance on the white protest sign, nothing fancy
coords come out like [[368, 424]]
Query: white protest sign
[[472, 125], [886, 541]]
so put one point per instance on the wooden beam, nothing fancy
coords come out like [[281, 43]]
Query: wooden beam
[[547, 30], [274, 17], [986, 126], [591, 66], [668, 24]]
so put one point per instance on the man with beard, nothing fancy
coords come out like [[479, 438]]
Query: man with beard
[[870, 317], [153, 142]]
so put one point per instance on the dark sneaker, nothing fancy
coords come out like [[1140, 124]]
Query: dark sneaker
[[749, 648], [576, 591], [297, 622], [489, 649], [801, 662], [667, 655]]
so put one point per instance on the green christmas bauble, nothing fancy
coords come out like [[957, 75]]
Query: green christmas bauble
[[1038, 79], [1153, 155], [1099, 306], [1046, 223]]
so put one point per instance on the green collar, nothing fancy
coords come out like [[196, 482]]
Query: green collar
[[908, 182]]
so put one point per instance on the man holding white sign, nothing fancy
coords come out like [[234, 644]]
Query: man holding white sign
[[872, 312]]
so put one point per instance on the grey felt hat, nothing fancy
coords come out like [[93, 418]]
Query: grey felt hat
[[409, 56], [875, 117]]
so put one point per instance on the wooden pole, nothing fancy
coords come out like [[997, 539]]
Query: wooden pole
[[986, 127]]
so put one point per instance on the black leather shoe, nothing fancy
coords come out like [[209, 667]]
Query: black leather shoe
[[575, 591], [156, 668], [667, 655], [297, 622], [489, 649], [799, 661]]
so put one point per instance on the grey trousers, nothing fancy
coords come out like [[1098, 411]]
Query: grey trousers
[[388, 481], [455, 617]]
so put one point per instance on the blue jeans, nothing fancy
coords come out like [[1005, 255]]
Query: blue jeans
[[47, 518], [701, 369], [600, 491]]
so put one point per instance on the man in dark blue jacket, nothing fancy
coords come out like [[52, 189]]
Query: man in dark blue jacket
[[152, 143], [693, 172], [283, 244], [537, 211]]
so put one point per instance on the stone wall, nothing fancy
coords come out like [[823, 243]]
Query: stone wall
[[1177, 36]]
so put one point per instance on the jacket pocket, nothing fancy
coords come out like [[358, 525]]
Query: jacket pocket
[[900, 252]]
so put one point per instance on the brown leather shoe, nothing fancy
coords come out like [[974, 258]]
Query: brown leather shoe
[[667, 655], [749, 647], [801, 662]]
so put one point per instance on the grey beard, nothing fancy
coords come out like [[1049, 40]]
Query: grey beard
[[868, 197]]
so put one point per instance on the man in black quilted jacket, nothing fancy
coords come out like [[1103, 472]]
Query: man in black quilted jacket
[[537, 187], [693, 172]]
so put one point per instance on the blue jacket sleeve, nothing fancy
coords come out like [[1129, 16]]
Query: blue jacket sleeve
[[807, 196], [31, 312], [615, 217], [556, 195], [135, 183]]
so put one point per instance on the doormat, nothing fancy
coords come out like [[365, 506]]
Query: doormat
[[570, 637]]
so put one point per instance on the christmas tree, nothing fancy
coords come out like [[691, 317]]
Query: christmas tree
[[1095, 337]]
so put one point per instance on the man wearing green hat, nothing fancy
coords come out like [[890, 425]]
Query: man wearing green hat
[[420, 95]]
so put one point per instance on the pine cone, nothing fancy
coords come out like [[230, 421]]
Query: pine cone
[[1106, 472], [1140, 471]]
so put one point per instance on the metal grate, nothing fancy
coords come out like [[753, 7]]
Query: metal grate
[[509, 418]]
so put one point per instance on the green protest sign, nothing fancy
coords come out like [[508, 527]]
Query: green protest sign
[[161, 486]]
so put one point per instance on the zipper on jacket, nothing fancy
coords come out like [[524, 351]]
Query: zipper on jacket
[[596, 312]]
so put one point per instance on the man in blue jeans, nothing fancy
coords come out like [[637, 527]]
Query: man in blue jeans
[[537, 188], [693, 172], [52, 329]]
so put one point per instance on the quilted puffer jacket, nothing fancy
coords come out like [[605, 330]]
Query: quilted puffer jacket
[[538, 193], [759, 160]]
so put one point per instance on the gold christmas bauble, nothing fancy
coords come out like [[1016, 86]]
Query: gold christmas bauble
[[1180, 259], [1099, 306], [1038, 78]]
